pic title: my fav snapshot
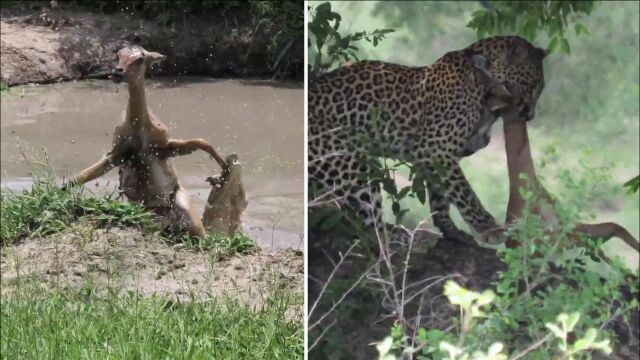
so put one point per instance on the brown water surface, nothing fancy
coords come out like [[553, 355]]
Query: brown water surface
[[260, 120]]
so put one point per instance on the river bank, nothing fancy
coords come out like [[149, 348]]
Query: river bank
[[44, 45]]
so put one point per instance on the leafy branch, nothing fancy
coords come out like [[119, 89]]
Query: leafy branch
[[528, 18], [331, 48]]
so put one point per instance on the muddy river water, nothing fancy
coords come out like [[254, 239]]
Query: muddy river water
[[260, 120]]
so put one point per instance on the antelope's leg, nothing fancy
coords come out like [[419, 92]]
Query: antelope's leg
[[607, 230], [94, 171], [185, 147], [183, 210], [519, 161]]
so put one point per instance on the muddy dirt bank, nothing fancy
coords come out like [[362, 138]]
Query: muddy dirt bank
[[125, 259], [45, 45]]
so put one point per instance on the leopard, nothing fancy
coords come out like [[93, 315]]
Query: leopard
[[430, 117]]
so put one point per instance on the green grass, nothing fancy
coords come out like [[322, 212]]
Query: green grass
[[92, 323], [221, 245], [46, 209], [78, 324]]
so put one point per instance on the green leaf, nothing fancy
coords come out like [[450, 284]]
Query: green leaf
[[564, 44], [485, 298], [572, 320], [587, 341], [580, 28], [553, 44], [396, 332], [323, 8], [395, 207], [555, 330], [384, 346], [422, 335], [418, 188], [495, 349], [403, 192], [331, 221], [633, 185], [389, 185], [478, 13], [604, 346]]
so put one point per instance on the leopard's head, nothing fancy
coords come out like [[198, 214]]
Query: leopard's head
[[517, 63]]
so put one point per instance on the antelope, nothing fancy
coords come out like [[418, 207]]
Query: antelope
[[519, 161], [142, 149]]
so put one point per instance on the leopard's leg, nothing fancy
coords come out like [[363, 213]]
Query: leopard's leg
[[442, 218], [448, 186], [337, 167], [471, 209], [340, 176], [366, 199]]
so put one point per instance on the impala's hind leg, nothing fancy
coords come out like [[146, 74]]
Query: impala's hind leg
[[183, 213]]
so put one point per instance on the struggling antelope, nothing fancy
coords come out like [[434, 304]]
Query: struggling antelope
[[142, 149], [506, 103]]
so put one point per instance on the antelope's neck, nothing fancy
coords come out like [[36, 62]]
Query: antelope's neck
[[137, 112], [518, 151]]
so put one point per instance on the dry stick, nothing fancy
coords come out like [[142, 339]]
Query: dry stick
[[519, 161], [344, 295]]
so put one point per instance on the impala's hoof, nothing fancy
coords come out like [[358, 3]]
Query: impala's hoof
[[493, 236]]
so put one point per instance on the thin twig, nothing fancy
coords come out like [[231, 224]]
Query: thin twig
[[321, 336], [331, 275], [531, 347], [344, 295]]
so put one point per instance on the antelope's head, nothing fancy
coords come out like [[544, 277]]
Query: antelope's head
[[133, 63]]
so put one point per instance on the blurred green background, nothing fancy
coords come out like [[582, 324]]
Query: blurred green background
[[588, 111]]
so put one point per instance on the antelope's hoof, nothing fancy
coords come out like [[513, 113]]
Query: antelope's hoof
[[493, 236]]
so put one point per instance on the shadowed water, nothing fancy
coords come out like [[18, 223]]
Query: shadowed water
[[262, 121]]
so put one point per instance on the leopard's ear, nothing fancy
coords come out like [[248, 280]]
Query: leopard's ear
[[543, 52], [518, 52], [481, 66], [480, 62]]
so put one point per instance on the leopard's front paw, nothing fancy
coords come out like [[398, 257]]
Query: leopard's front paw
[[459, 236], [418, 240]]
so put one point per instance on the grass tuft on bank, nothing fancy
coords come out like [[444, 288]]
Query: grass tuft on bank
[[46, 209]]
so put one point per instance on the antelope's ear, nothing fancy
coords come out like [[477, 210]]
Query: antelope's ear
[[499, 97], [496, 104], [502, 90], [154, 57]]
